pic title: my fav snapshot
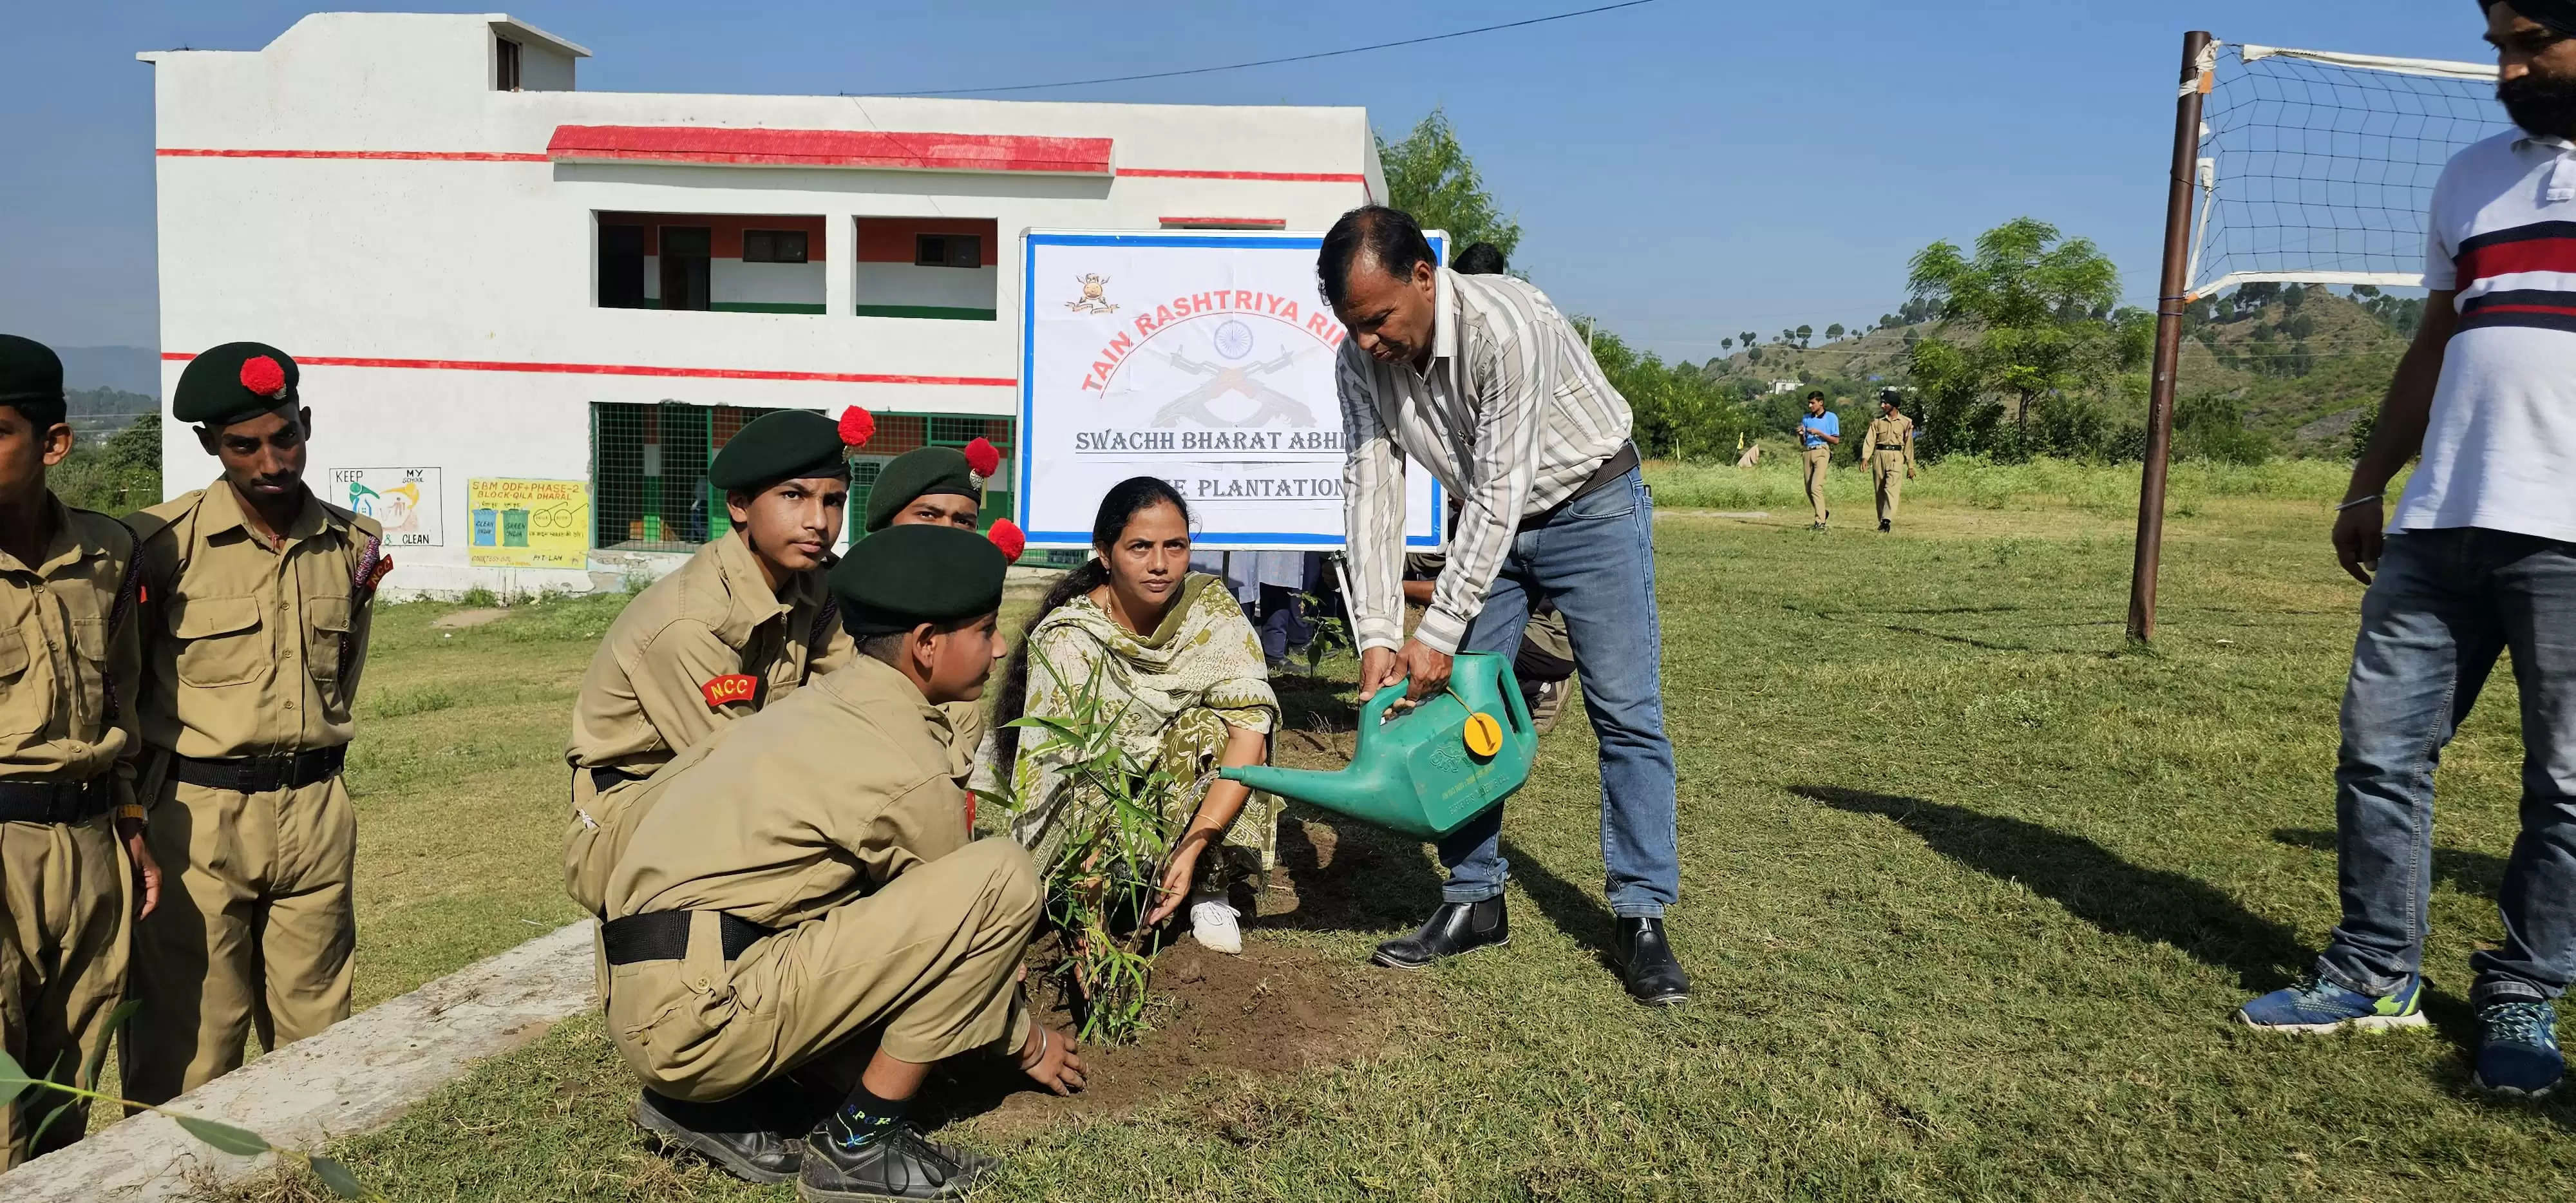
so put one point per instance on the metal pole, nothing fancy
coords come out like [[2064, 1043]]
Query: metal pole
[[2196, 80]]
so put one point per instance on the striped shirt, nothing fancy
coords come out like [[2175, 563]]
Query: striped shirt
[[1511, 415], [2501, 236]]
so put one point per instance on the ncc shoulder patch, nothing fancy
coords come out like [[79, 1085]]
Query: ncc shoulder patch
[[731, 687]]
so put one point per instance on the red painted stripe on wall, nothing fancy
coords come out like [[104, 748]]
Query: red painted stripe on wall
[[631, 369], [724, 230], [890, 239], [441, 156], [1264, 223], [879, 149], [1289, 177]]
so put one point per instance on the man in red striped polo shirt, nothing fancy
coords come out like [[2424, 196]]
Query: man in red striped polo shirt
[[2477, 558]]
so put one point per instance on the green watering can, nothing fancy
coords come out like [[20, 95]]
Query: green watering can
[[1427, 770]]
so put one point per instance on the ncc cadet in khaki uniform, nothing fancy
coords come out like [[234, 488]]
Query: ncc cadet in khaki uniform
[[806, 879], [255, 605], [942, 486], [1887, 449], [740, 626], [68, 662]]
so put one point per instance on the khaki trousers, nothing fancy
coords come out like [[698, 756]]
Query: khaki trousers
[[1887, 468], [1818, 459], [932, 960], [254, 934], [64, 894]]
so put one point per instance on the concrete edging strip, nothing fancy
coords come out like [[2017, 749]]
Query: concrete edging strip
[[359, 1075]]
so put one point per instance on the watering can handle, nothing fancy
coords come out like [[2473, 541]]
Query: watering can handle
[[1373, 711]]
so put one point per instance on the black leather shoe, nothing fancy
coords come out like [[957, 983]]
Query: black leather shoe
[[899, 1164], [1646, 964], [1883, 526], [733, 1134], [1455, 928]]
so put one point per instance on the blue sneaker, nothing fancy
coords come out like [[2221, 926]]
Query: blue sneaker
[[2518, 1048], [2322, 1006]]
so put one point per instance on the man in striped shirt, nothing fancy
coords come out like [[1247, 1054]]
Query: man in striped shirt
[[1481, 380]]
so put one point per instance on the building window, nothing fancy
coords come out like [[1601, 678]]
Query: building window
[[505, 76], [727, 263], [773, 246], [940, 268], [947, 250]]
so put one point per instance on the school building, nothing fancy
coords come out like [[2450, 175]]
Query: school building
[[528, 315]]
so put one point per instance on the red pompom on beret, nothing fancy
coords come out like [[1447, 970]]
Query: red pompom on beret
[[262, 375], [1006, 535], [857, 426], [982, 458]]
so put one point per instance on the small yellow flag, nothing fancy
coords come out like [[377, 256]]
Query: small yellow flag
[[1739, 440]]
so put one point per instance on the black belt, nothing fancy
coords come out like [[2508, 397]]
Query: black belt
[[260, 774], [1891, 446], [1608, 474], [55, 801], [604, 780], [664, 936]]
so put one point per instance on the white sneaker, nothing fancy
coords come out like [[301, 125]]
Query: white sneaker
[[1212, 921]]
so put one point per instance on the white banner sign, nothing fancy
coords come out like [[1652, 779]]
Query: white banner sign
[[1205, 359], [408, 501]]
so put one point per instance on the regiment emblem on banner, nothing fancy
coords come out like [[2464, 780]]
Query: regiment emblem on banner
[[1095, 295]]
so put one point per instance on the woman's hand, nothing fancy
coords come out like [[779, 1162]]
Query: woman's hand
[[1178, 872], [1052, 1060]]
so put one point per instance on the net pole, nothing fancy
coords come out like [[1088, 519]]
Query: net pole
[[2198, 74]]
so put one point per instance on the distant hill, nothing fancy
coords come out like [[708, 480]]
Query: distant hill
[[1854, 357], [127, 369], [97, 413], [2303, 373]]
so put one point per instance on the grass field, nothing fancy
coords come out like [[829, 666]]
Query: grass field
[[1970, 888]]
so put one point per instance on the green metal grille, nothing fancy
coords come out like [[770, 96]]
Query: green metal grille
[[648, 468]]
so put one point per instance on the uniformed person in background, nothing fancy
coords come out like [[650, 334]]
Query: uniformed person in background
[[942, 486], [807, 879], [1889, 448], [69, 658], [740, 626], [255, 607]]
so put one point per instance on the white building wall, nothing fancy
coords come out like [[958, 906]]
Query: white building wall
[[912, 284], [285, 230], [732, 280]]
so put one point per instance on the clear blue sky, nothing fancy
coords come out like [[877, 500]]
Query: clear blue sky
[[1683, 170]]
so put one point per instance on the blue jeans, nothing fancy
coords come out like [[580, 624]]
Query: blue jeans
[[2444, 604], [1595, 559]]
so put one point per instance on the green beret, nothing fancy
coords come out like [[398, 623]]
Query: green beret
[[783, 444], [29, 371], [916, 474], [234, 383], [903, 576]]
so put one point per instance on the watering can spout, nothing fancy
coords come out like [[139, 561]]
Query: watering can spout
[[1337, 791]]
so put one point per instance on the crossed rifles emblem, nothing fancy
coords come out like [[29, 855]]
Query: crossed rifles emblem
[[1223, 381]]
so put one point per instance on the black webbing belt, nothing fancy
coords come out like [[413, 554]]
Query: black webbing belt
[[55, 801], [604, 780], [260, 774], [1891, 446], [664, 936]]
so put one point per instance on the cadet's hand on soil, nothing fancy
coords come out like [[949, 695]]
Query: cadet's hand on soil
[[147, 872], [2357, 539], [1052, 1060]]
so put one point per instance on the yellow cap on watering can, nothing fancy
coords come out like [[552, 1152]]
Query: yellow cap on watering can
[[1428, 770]]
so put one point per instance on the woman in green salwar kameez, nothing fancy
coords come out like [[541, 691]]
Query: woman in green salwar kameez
[[1171, 654]]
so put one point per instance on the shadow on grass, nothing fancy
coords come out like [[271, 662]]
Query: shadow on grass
[[2469, 872], [1578, 912], [1345, 875], [2094, 885]]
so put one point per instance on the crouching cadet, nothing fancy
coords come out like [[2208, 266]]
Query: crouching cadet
[[67, 743], [740, 626], [801, 893], [943, 486]]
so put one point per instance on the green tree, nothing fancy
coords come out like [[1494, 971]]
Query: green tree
[[118, 476], [1805, 333], [1726, 344], [1746, 338], [2027, 320], [1833, 332], [1429, 175]]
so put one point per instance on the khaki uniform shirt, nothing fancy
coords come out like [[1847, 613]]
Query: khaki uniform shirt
[[62, 669], [255, 645], [1883, 431], [645, 698], [823, 799]]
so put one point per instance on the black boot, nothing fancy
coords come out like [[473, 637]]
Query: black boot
[[1455, 928], [1883, 526], [1646, 964], [738, 1134], [899, 1163]]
